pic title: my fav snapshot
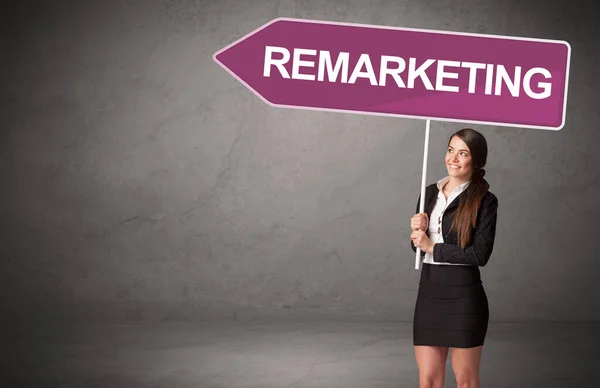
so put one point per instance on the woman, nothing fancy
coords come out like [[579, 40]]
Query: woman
[[456, 236]]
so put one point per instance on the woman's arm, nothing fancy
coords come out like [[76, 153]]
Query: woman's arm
[[411, 243], [479, 251]]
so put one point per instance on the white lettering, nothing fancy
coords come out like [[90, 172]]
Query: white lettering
[[473, 67], [269, 61], [370, 73], [489, 76], [441, 74], [298, 62], [420, 72], [395, 73], [497, 77], [513, 86], [546, 86], [341, 63]]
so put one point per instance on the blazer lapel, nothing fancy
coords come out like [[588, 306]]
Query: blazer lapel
[[456, 201], [431, 200]]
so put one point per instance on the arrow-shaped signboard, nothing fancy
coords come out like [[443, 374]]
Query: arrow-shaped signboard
[[390, 71]]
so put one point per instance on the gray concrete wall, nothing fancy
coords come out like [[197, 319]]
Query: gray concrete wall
[[140, 180]]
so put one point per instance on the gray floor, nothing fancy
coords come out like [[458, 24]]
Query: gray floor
[[276, 355]]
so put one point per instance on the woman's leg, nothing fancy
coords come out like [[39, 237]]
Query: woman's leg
[[431, 361], [465, 363]]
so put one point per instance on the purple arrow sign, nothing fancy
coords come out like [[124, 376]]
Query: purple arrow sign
[[389, 71]]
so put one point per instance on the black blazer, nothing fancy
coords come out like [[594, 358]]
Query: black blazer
[[482, 240]]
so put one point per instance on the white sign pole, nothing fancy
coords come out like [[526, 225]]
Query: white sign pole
[[423, 182]]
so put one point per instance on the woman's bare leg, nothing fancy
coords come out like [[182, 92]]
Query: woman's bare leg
[[465, 363], [431, 361]]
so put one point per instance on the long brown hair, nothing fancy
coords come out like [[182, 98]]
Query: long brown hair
[[466, 214]]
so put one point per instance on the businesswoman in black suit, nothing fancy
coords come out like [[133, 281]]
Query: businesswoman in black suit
[[456, 236]]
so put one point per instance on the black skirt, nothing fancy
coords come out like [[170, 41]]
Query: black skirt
[[451, 308]]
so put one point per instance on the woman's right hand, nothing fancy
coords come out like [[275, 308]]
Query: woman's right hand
[[419, 221]]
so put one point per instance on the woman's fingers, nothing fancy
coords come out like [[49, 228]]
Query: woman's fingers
[[424, 221], [416, 222], [417, 236]]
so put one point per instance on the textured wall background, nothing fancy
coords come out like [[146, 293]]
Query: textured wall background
[[142, 181]]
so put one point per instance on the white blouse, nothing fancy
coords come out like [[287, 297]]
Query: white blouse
[[435, 222]]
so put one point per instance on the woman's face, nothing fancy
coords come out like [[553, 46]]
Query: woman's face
[[458, 160]]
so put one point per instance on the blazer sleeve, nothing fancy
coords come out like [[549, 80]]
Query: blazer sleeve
[[479, 251], [411, 243]]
